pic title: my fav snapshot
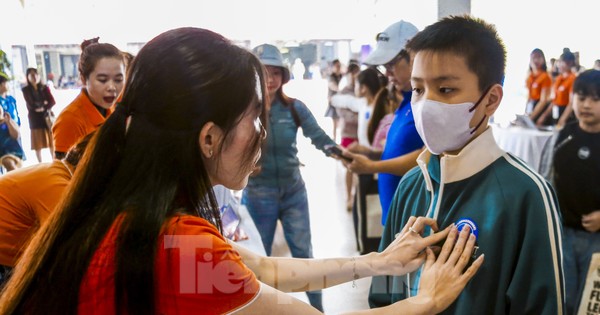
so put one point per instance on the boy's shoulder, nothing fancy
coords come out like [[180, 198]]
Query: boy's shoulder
[[410, 177], [517, 180]]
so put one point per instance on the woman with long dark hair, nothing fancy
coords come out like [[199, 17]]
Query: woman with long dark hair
[[39, 101], [139, 229], [538, 84]]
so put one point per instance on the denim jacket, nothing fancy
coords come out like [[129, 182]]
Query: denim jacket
[[279, 160]]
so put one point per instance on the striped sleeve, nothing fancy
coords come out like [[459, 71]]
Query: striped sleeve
[[537, 285]]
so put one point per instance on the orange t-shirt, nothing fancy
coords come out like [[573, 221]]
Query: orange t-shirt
[[76, 121], [27, 197], [563, 86], [535, 84], [197, 272]]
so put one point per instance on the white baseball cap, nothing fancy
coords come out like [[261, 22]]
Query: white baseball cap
[[390, 42]]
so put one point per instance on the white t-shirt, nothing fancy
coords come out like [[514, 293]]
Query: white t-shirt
[[360, 106]]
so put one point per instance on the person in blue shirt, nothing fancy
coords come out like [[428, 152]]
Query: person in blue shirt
[[11, 152], [8, 103], [403, 143], [277, 191]]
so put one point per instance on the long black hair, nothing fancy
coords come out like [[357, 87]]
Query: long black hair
[[539, 51], [27, 72], [375, 82], [143, 166]]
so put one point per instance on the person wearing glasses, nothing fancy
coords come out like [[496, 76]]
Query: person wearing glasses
[[403, 143]]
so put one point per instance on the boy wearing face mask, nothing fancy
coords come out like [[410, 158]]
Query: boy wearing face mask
[[464, 178]]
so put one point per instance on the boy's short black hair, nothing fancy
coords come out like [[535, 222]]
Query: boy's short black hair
[[587, 84], [474, 39], [403, 54]]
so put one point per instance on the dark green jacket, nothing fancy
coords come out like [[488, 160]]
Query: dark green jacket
[[518, 229]]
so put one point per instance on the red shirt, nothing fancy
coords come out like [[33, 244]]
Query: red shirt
[[563, 88], [27, 197], [537, 82], [197, 272], [76, 121]]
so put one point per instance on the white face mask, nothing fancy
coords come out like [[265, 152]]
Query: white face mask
[[444, 127]]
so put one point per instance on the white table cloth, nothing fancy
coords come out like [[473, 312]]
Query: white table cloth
[[527, 144]]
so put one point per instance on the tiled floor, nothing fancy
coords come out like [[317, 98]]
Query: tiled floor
[[331, 224], [332, 233]]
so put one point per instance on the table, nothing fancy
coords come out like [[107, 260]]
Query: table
[[526, 144]]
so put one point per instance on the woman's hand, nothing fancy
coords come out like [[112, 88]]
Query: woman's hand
[[443, 278], [359, 164], [406, 253], [591, 221], [358, 149]]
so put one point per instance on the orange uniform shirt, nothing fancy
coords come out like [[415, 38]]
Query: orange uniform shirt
[[537, 82], [27, 197], [563, 86], [76, 121], [197, 272]]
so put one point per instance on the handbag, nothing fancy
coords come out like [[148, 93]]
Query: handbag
[[589, 297], [368, 226], [49, 118]]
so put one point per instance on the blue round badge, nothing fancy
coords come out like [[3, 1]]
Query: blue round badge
[[462, 222]]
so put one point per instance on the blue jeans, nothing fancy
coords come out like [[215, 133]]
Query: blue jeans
[[578, 247], [288, 204]]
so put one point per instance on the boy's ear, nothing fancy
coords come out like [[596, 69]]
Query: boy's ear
[[493, 100], [210, 139]]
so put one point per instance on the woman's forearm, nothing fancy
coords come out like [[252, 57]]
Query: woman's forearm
[[564, 118], [404, 254], [295, 275], [13, 128]]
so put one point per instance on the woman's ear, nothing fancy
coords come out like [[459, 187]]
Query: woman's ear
[[494, 99], [210, 140]]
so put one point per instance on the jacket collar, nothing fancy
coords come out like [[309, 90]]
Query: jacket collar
[[474, 157], [91, 112]]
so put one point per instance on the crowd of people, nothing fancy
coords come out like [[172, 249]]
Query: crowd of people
[[125, 219], [550, 90]]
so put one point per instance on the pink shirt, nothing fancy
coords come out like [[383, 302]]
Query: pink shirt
[[382, 131]]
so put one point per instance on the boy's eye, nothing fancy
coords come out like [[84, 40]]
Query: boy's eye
[[445, 90], [417, 91]]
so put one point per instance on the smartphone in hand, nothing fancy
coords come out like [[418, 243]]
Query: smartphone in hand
[[337, 151]]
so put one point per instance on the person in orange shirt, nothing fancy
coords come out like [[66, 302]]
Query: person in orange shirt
[[102, 71], [139, 231], [538, 84], [560, 110], [27, 197]]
